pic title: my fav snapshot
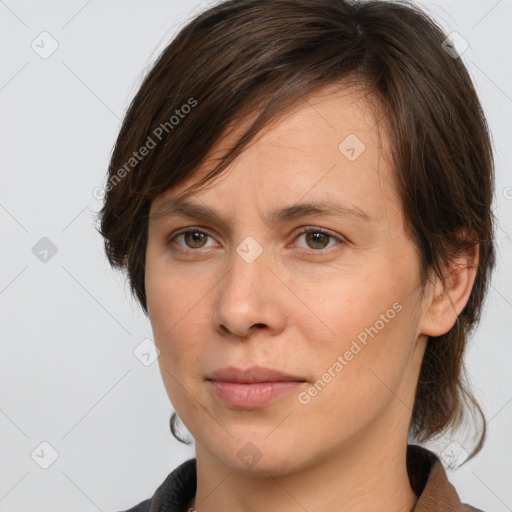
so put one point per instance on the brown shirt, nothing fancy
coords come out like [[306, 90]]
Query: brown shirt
[[426, 473]]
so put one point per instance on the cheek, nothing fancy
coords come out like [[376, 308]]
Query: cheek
[[355, 382], [177, 324], [178, 320], [360, 332], [346, 308]]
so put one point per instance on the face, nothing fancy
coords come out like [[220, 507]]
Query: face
[[325, 291]]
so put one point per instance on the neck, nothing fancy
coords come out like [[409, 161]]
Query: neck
[[364, 476]]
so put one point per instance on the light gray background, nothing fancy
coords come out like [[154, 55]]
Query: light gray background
[[68, 374]]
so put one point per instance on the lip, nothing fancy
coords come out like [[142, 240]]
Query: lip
[[252, 374], [252, 387]]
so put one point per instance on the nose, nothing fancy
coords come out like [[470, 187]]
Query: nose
[[250, 298]]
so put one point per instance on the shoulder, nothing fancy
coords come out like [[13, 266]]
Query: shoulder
[[175, 492], [430, 483], [143, 506]]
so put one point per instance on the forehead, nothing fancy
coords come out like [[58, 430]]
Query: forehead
[[335, 126]]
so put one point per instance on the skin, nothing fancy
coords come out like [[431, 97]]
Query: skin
[[296, 308]]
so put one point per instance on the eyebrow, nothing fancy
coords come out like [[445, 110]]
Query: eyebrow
[[182, 207]]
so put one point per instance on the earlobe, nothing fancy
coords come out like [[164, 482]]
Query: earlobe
[[446, 302]]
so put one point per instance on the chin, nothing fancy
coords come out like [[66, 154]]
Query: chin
[[259, 454]]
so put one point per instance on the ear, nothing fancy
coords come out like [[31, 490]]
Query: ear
[[447, 301]]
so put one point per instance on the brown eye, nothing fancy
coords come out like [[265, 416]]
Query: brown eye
[[195, 239], [317, 240]]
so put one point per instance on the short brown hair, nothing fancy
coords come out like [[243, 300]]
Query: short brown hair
[[247, 56]]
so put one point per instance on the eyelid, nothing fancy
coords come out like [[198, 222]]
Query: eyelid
[[304, 230]]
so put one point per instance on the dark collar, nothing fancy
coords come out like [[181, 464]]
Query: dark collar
[[430, 483]]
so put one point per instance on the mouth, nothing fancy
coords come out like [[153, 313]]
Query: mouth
[[252, 387]]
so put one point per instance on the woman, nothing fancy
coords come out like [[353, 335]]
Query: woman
[[301, 196]]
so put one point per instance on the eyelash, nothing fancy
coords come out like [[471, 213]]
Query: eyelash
[[315, 252]]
